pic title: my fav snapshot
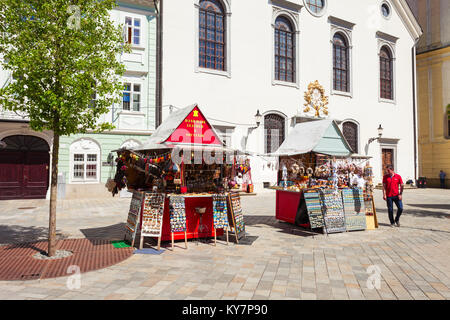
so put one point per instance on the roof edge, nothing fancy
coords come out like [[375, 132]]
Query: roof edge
[[408, 18]]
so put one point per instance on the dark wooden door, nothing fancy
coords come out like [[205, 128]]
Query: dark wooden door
[[11, 173], [24, 175], [35, 175], [387, 158], [24, 168]]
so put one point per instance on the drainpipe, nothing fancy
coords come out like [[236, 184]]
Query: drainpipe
[[159, 51], [413, 53]]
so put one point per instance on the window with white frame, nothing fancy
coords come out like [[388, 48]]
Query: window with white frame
[[133, 31], [85, 159], [131, 100]]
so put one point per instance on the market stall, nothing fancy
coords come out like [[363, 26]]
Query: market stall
[[180, 181], [321, 184]]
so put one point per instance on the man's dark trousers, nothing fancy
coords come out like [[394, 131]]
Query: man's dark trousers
[[443, 183], [390, 203]]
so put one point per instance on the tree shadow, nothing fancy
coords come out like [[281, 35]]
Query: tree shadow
[[14, 234], [34, 238]]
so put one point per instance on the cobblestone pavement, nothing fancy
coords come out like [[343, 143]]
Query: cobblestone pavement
[[278, 261]]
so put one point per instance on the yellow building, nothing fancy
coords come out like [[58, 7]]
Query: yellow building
[[433, 89]]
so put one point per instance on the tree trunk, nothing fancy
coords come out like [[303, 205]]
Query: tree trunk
[[53, 197]]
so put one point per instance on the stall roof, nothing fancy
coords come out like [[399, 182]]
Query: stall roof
[[167, 128], [321, 136]]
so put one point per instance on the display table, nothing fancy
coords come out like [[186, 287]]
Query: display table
[[197, 227]]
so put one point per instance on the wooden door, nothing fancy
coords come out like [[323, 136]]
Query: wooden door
[[387, 158], [35, 175], [24, 168], [11, 174]]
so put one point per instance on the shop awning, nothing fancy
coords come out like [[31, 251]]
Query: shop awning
[[321, 136]]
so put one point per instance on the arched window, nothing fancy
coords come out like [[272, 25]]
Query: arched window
[[85, 161], [386, 74], [274, 127], [350, 131], [212, 35], [284, 50], [341, 78]]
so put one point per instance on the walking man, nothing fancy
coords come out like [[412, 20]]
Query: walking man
[[442, 178], [392, 193]]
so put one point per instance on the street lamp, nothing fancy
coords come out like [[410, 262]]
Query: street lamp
[[258, 118], [380, 133]]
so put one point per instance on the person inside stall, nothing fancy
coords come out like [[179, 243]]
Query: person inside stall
[[239, 180]]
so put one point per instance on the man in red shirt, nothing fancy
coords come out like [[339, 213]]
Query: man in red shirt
[[392, 193]]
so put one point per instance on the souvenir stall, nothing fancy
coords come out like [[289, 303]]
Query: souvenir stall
[[320, 183], [180, 182]]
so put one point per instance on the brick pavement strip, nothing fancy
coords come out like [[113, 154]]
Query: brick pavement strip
[[278, 265]]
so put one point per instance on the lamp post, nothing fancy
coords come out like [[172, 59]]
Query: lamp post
[[380, 134]]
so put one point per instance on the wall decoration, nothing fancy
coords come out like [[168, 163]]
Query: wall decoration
[[315, 99]]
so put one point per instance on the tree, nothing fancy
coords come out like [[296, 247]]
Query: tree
[[61, 53]]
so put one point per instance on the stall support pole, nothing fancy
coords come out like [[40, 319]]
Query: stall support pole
[[215, 237], [141, 244], [227, 236], [172, 241], [159, 243], [185, 239]]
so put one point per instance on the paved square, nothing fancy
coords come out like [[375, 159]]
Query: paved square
[[280, 262]]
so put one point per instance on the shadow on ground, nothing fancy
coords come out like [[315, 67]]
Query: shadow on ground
[[284, 227], [18, 234], [417, 213], [431, 206], [112, 232]]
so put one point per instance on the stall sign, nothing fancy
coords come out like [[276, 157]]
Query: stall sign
[[333, 211], [236, 217], [354, 209], [134, 213], [177, 214], [152, 215], [314, 206], [195, 129], [220, 211]]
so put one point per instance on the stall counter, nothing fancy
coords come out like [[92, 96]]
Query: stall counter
[[193, 225]]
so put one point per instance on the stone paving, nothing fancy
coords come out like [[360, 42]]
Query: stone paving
[[277, 260]]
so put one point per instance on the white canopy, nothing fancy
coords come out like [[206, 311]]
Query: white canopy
[[320, 136]]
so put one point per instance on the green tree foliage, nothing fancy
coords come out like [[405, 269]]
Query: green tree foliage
[[61, 53]]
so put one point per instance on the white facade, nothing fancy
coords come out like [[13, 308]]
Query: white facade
[[232, 97]]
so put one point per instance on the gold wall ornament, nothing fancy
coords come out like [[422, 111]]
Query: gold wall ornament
[[316, 99]]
